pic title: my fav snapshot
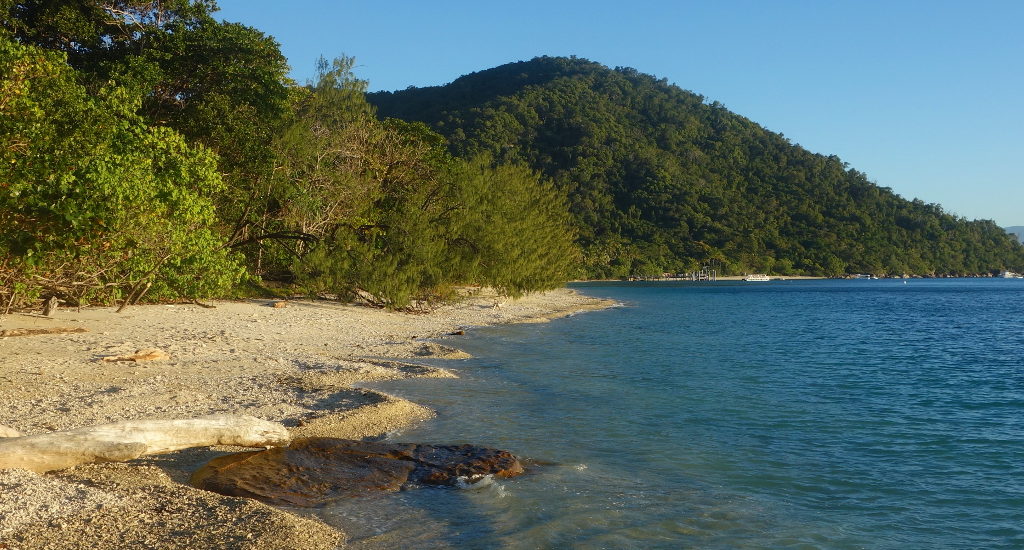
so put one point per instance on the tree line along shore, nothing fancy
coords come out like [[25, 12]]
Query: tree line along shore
[[151, 152]]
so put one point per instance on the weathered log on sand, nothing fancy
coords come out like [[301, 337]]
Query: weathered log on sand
[[36, 331], [148, 354], [132, 439], [8, 432]]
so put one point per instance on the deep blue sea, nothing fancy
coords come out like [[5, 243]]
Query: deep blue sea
[[789, 414]]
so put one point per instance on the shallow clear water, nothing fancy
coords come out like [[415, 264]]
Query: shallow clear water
[[793, 414]]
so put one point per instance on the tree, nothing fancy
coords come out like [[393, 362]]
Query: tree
[[318, 182], [94, 203], [513, 228], [220, 84], [388, 215]]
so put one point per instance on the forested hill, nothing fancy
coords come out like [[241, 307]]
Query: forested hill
[[661, 180]]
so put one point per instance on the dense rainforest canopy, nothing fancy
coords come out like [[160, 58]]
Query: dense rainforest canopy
[[660, 180], [150, 151]]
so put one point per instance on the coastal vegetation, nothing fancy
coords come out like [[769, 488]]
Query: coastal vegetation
[[149, 151]]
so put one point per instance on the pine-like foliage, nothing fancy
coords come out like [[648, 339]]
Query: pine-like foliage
[[389, 216], [513, 228]]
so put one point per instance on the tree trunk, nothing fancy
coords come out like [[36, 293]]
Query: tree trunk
[[132, 439]]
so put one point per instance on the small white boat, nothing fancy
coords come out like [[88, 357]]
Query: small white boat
[[756, 277], [1010, 275]]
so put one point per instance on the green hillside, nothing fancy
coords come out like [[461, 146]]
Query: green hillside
[[659, 179]]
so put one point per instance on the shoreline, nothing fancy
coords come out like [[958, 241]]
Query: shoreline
[[718, 278], [295, 365]]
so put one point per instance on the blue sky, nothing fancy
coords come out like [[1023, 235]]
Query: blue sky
[[924, 97]]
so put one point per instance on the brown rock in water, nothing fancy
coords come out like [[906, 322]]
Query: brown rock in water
[[312, 472]]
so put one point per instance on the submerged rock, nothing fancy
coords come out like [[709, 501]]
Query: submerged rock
[[312, 472]]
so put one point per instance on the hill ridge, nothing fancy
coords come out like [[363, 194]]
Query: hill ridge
[[661, 180]]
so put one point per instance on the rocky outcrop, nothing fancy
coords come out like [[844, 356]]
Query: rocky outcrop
[[312, 472]]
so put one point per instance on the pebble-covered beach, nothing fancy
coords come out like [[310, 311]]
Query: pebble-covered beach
[[294, 364]]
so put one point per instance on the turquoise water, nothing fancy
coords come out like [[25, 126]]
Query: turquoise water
[[791, 414]]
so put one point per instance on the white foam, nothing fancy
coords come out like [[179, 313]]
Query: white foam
[[484, 483], [473, 482]]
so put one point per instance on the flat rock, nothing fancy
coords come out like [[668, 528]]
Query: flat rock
[[316, 471]]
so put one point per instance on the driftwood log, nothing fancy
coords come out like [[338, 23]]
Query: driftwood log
[[132, 439], [8, 432], [148, 354], [35, 331]]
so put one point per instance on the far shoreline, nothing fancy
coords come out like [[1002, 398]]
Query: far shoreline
[[687, 280]]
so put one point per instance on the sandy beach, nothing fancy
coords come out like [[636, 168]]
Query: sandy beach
[[295, 365]]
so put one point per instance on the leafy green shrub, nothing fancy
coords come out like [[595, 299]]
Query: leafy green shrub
[[94, 203]]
